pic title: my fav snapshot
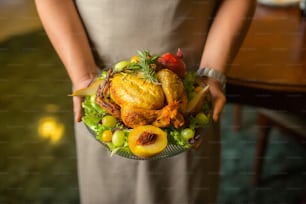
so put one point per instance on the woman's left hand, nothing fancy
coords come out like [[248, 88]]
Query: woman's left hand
[[218, 97]]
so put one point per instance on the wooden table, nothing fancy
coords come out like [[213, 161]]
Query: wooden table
[[270, 69]]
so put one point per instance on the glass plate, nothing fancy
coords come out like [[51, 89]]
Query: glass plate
[[171, 149]]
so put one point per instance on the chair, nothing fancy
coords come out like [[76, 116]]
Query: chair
[[291, 124]]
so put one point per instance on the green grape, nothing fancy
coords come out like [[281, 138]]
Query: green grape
[[109, 121], [187, 133], [201, 119], [118, 138], [121, 66]]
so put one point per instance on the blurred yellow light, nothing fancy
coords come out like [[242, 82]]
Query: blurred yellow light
[[50, 128]]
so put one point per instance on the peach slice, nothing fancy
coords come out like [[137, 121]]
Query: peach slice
[[147, 141], [194, 105], [90, 90]]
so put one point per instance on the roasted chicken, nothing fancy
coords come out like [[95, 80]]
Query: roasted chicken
[[137, 101]]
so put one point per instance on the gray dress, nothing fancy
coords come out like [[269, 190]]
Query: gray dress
[[117, 28]]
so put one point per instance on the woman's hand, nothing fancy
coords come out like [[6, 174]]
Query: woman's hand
[[65, 30], [218, 97], [77, 100], [220, 49]]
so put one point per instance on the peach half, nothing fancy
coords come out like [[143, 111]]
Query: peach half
[[147, 141]]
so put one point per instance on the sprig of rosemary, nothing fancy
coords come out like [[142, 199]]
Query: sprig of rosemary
[[147, 65]]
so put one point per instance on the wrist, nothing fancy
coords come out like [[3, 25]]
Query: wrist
[[84, 81], [214, 74]]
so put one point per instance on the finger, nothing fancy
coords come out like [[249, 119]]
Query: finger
[[218, 107], [77, 108]]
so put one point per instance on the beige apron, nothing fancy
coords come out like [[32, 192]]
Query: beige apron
[[117, 28]]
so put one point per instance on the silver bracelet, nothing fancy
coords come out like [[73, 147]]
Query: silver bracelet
[[212, 73]]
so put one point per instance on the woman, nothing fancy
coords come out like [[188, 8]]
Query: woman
[[97, 33]]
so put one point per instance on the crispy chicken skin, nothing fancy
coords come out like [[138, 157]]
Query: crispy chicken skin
[[141, 102]]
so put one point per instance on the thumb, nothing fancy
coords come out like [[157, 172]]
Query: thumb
[[218, 107], [77, 108]]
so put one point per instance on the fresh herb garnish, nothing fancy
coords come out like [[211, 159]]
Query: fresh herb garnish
[[147, 65]]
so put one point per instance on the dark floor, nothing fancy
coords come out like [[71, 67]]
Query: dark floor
[[38, 161], [284, 171]]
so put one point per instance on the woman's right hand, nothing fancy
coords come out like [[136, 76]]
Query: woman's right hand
[[65, 30], [77, 100]]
